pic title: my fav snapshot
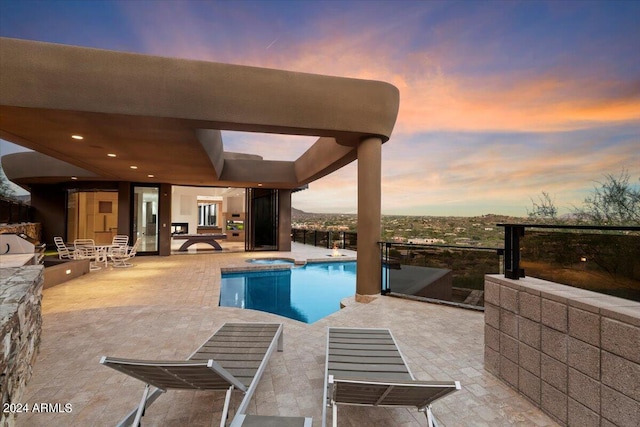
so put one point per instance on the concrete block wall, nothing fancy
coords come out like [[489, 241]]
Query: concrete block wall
[[572, 352]]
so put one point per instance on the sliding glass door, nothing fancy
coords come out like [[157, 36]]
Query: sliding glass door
[[145, 217]]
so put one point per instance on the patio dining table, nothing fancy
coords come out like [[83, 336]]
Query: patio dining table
[[102, 253], [100, 256]]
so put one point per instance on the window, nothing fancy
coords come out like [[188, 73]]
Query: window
[[207, 214], [105, 207]]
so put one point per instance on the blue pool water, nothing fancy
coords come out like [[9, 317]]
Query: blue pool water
[[306, 293]]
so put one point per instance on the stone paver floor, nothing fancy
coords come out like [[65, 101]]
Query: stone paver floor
[[165, 307]]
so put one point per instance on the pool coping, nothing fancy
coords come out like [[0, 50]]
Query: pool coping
[[296, 263]]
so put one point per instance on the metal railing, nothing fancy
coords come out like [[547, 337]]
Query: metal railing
[[453, 274], [326, 239], [13, 212], [603, 259]]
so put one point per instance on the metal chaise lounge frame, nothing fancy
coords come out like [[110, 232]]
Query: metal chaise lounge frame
[[365, 367], [234, 357]]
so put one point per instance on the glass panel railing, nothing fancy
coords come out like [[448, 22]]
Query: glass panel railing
[[322, 239], [447, 273], [326, 239], [606, 261], [350, 240], [298, 235]]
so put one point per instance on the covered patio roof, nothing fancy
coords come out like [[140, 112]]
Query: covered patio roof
[[164, 116]]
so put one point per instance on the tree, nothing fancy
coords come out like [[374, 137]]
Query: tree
[[544, 209], [5, 187], [615, 201]]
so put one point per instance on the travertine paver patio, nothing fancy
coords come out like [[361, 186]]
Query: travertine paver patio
[[164, 307]]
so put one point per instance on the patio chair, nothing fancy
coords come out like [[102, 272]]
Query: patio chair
[[120, 240], [365, 367], [233, 358], [63, 251], [121, 255], [86, 249]]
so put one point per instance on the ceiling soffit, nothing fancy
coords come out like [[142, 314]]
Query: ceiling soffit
[[164, 115]]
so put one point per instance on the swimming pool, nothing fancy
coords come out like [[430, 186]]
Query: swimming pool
[[306, 293]]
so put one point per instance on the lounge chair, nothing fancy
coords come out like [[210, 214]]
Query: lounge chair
[[63, 250], [234, 357], [365, 367]]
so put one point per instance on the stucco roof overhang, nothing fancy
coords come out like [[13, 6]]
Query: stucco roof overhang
[[164, 115]]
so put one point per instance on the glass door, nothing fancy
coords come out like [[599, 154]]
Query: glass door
[[262, 212], [145, 217]]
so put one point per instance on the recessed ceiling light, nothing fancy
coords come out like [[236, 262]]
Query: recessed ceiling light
[[77, 137], [150, 176], [111, 155], [133, 167], [259, 184], [74, 177]]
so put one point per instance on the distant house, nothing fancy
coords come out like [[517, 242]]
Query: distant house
[[425, 241]]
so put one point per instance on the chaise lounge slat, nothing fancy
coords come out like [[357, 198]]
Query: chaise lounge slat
[[234, 357], [365, 367]]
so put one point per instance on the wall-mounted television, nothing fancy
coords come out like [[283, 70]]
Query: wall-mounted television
[[235, 225]]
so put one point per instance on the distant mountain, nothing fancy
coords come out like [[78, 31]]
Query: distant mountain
[[297, 214], [295, 211], [497, 218]]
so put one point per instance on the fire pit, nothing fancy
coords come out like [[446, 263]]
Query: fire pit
[[336, 252]]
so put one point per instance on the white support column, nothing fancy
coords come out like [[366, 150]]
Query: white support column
[[369, 217]]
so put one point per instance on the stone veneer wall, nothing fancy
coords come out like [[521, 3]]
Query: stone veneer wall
[[31, 229], [20, 328], [572, 352]]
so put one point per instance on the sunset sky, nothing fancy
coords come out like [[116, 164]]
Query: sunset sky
[[499, 100]]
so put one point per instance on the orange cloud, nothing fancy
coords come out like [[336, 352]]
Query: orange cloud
[[432, 98]]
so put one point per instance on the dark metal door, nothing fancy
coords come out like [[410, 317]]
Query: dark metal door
[[262, 219]]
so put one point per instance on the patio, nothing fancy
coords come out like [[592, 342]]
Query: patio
[[165, 307]]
